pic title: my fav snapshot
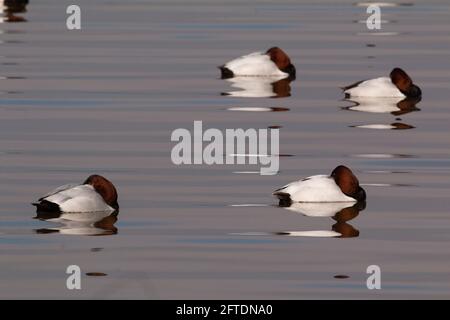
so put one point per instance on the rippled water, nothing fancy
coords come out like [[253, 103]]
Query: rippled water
[[106, 99]]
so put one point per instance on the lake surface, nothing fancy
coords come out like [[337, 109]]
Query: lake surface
[[106, 99]]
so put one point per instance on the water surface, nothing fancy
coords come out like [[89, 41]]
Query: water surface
[[106, 99]]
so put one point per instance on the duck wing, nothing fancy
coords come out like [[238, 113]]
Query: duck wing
[[59, 189]]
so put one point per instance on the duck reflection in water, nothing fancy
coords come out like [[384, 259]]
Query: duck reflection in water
[[83, 223], [391, 126], [339, 212], [12, 7], [259, 87], [395, 105]]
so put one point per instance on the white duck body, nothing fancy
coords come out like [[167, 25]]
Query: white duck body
[[254, 64], [318, 188], [78, 198], [378, 87]]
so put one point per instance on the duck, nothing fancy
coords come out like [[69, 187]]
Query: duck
[[272, 63], [95, 194], [398, 84], [341, 186]]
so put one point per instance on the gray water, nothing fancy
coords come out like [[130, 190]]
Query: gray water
[[106, 99]]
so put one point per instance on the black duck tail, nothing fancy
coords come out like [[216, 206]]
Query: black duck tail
[[45, 206], [225, 73]]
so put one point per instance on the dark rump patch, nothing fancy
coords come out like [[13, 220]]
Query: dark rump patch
[[46, 231], [45, 206], [225, 73], [284, 198], [282, 233]]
